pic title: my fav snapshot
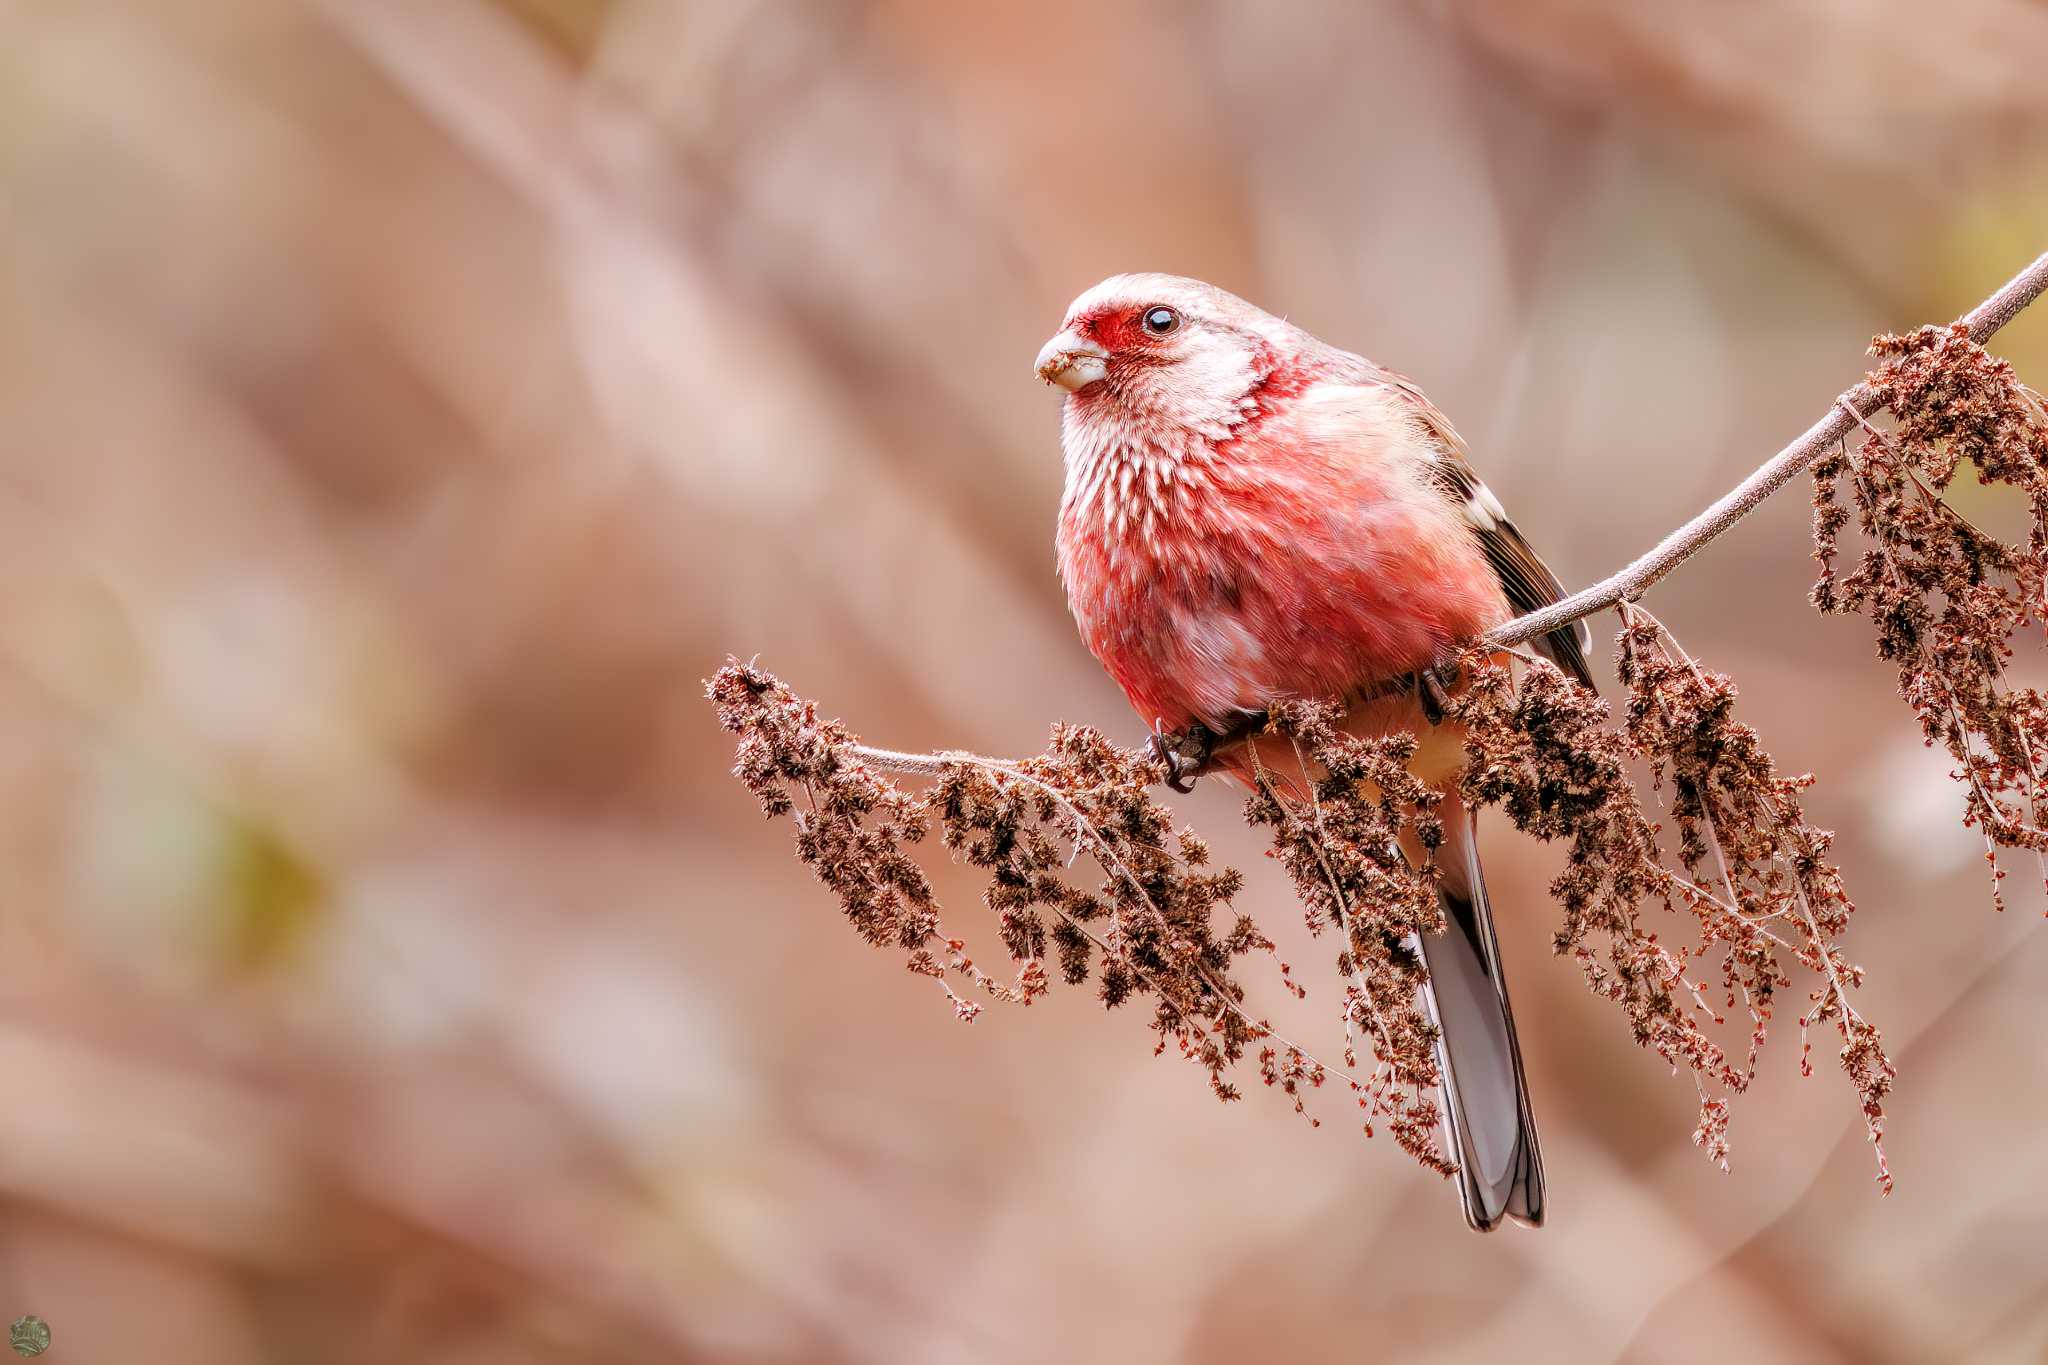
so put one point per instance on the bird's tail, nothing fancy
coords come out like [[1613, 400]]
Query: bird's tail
[[1486, 1100]]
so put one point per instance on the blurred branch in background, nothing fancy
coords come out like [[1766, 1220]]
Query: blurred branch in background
[[1821, 114]]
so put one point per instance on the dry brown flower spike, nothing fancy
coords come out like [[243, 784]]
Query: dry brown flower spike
[[1948, 599]]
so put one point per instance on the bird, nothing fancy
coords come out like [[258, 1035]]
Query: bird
[[1251, 515]]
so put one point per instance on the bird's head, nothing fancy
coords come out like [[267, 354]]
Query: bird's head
[[1165, 349]]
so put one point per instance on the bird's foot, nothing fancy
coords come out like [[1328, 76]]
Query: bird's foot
[[1185, 755], [1432, 690]]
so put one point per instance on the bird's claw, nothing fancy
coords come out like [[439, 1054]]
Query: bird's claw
[[1185, 755], [1432, 690]]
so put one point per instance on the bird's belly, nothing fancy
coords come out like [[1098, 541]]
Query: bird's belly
[[1245, 610], [1318, 630]]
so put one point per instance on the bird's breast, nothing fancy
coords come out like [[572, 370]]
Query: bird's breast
[[1222, 580]]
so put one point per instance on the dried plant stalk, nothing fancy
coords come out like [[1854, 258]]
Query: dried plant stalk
[[1144, 926], [1947, 599], [1340, 840], [1542, 751], [1540, 748], [1756, 874]]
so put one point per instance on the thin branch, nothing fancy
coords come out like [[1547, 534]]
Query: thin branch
[[1688, 540], [931, 765]]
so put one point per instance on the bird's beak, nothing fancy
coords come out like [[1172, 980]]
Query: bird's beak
[[1072, 361]]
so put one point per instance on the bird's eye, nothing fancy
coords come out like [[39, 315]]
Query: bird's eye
[[1161, 321]]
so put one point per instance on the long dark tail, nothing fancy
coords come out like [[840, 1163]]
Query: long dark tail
[[1486, 1100]]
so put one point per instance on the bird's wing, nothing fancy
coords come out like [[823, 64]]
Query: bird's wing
[[1526, 579]]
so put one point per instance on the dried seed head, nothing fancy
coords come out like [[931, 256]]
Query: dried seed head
[[1946, 598]]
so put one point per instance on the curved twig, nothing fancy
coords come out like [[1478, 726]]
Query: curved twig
[[1688, 540]]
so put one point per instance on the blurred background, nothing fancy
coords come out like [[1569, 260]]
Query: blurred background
[[405, 404]]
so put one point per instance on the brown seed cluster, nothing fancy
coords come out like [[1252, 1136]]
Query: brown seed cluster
[[1357, 834], [1144, 925], [1339, 830], [1749, 872], [1947, 598], [1541, 749], [854, 824], [1754, 872]]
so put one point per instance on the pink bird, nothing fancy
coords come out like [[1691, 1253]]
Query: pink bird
[[1252, 515]]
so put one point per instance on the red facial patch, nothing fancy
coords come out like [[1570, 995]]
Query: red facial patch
[[1117, 329]]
